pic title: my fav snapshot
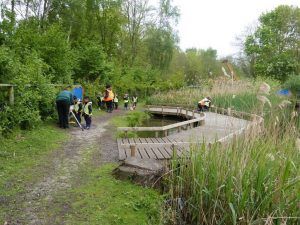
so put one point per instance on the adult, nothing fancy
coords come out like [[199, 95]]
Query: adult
[[63, 102], [108, 98]]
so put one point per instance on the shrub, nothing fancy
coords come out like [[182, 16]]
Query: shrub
[[293, 84]]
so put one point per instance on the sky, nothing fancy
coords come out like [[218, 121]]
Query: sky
[[217, 23]]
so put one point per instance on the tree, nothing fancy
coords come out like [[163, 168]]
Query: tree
[[274, 46]]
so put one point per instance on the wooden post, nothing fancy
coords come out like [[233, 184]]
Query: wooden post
[[178, 129], [229, 111], [193, 114], [162, 110], [202, 122], [126, 133], [165, 133], [11, 95], [156, 134], [132, 150]]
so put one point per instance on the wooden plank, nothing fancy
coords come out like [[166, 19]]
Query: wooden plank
[[122, 154], [138, 141], [139, 152], [168, 150], [143, 153], [150, 153], [154, 140], [160, 140], [162, 151], [144, 140], [157, 152]]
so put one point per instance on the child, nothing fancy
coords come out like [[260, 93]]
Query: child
[[77, 109], [87, 112], [99, 101], [204, 104], [116, 101], [135, 100], [126, 101]]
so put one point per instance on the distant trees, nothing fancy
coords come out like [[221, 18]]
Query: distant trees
[[274, 48]]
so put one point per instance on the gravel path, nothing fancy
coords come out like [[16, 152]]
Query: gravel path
[[60, 167]]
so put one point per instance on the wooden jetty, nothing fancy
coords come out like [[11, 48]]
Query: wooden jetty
[[200, 128]]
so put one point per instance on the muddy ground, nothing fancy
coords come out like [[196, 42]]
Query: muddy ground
[[59, 169]]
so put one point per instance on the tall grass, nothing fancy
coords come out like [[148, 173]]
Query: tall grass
[[240, 96], [254, 180]]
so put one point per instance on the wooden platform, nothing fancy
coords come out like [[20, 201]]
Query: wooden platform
[[216, 127]]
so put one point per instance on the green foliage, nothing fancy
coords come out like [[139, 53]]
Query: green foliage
[[92, 63], [34, 98], [273, 46], [293, 84], [136, 118]]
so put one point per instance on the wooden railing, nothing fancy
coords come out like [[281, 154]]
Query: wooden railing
[[195, 119]]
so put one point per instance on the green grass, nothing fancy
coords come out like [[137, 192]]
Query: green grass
[[20, 153], [104, 200], [24, 149]]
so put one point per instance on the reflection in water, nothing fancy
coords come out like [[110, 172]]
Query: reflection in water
[[159, 121]]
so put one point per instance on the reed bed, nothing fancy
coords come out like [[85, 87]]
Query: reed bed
[[254, 180], [240, 95]]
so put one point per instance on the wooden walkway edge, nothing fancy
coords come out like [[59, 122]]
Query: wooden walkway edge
[[212, 127]]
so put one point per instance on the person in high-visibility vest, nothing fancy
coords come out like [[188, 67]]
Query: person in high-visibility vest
[[134, 101], [126, 101], [116, 102], [100, 101], [77, 109], [108, 98], [87, 112], [204, 104]]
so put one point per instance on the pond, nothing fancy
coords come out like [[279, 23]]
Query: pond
[[158, 121]]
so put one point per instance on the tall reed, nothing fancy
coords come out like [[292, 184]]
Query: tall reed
[[253, 180]]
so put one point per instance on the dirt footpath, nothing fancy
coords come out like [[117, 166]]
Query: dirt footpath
[[55, 175]]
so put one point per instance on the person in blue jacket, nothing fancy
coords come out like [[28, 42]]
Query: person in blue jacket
[[63, 102]]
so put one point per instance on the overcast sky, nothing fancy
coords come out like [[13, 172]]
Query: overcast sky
[[216, 23]]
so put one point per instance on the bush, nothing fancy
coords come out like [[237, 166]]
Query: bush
[[293, 84], [34, 97]]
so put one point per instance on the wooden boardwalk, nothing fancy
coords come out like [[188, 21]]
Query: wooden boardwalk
[[216, 127]]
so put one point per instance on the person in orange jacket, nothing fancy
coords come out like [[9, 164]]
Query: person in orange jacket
[[108, 98]]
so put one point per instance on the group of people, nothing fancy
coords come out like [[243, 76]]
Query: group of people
[[110, 101], [67, 103], [65, 100]]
